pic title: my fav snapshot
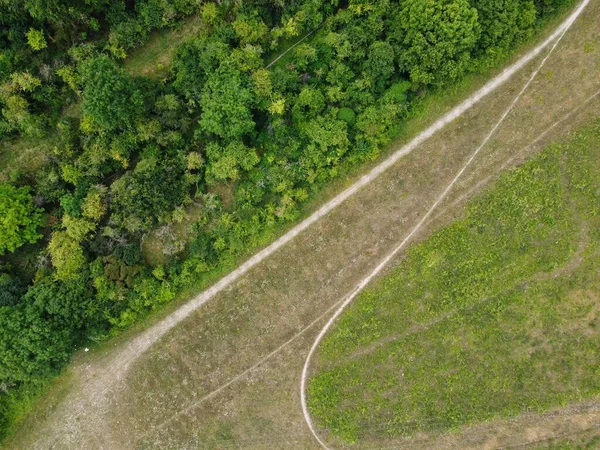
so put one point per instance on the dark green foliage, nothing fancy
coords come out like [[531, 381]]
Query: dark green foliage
[[148, 194], [19, 218], [435, 39], [225, 103], [110, 97], [30, 347], [504, 23], [397, 93], [192, 64], [380, 63], [37, 335], [11, 290], [546, 8]]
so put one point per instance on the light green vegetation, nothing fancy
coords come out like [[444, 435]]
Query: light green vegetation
[[493, 316], [154, 57], [19, 218], [581, 441]]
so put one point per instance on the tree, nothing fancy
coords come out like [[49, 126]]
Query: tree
[[10, 290], [309, 103], [504, 23], [66, 254], [193, 62], [435, 39], [375, 121], [94, 203], [327, 142], [225, 163], [249, 30], [25, 82], [146, 196], [78, 228], [226, 104], [380, 63], [38, 334], [30, 348], [36, 40], [110, 97], [19, 218], [547, 7]]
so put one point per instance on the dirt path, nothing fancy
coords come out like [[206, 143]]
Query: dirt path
[[567, 268]]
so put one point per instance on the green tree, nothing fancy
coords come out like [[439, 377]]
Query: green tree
[[249, 30], [30, 348], [25, 82], [192, 64], [147, 195], [226, 104], [504, 23], [380, 63], [435, 39], [78, 228], [38, 334], [225, 163], [36, 39], [309, 103], [66, 254], [328, 141], [94, 206], [19, 218], [110, 97], [10, 290]]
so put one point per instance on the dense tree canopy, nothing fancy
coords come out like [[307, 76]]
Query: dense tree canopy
[[19, 218], [226, 103], [36, 336], [436, 38], [193, 62], [142, 198], [110, 98], [504, 22]]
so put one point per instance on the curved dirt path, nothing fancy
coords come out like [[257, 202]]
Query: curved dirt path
[[557, 36]]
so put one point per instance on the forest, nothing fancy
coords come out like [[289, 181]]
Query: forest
[[225, 142]]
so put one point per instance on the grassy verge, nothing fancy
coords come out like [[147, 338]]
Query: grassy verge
[[495, 315]]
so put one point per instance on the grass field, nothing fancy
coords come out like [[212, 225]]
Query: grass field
[[495, 315]]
